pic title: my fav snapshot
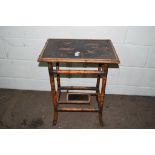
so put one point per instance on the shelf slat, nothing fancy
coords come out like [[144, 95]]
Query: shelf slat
[[64, 109], [77, 88], [78, 72], [75, 102]]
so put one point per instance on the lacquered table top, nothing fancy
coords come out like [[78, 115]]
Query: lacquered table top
[[79, 50]]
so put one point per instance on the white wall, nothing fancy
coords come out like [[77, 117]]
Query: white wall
[[20, 47]]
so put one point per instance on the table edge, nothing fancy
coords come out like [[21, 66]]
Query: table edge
[[109, 61]]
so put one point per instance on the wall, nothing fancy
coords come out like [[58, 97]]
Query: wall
[[20, 47]]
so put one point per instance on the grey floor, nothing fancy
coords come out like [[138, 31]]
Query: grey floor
[[33, 109]]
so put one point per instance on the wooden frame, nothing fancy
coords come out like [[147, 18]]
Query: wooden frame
[[101, 75], [56, 94]]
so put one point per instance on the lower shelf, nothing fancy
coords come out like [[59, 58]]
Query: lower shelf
[[87, 104]]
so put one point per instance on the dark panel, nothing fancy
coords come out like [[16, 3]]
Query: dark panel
[[80, 97]]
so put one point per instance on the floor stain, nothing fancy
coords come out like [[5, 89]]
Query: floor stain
[[36, 123], [32, 124]]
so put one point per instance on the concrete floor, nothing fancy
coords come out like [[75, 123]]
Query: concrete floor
[[33, 109]]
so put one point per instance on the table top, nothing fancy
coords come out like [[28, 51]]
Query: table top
[[79, 50]]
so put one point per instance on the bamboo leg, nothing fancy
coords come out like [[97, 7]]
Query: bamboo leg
[[58, 81], [98, 83], [100, 118], [102, 95], [54, 95]]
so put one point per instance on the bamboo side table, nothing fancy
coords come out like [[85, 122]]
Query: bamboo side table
[[100, 52]]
